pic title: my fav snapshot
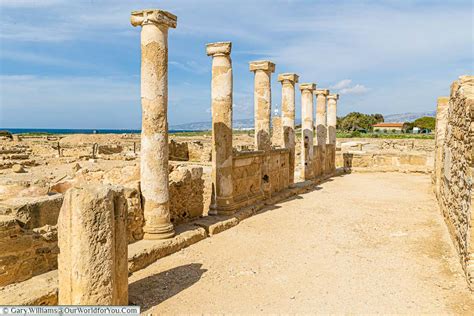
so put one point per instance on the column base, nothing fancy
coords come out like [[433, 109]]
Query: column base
[[159, 232]]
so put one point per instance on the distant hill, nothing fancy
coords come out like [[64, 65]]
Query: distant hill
[[407, 117], [204, 126], [248, 123]]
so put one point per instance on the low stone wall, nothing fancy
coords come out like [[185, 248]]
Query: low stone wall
[[384, 162], [330, 158], [318, 153], [247, 169], [178, 151], [25, 252], [456, 178], [258, 175], [276, 169], [28, 233]]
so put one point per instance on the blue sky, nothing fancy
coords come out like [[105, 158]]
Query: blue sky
[[76, 64]]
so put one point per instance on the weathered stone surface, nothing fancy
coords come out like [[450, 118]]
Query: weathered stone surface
[[456, 177], [440, 133], [217, 224], [321, 126], [154, 136], [263, 70], [277, 132], [32, 212], [186, 193], [146, 252], [307, 154], [25, 253], [288, 81], [92, 223], [39, 290], [221, 104], [17, 168]]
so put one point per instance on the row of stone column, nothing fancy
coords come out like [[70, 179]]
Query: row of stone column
[[221, 107]]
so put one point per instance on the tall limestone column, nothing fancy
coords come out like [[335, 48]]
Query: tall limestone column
[[441, 123], [154, 137], [92, 238], [263, 70], [321, 127], [307, 130], [221, 104], [331, 132], [288, 82], [332, 118]]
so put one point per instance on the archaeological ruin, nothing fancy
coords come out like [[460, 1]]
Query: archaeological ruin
[[454, 168], [80, 214]]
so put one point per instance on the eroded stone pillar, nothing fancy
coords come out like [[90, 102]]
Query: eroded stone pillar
[[263, 70], [221, 105], [154, 136], [288, 81], [332, 118], [307, 130], [92, 238], [331, 132], [321, 125], [441, 123]]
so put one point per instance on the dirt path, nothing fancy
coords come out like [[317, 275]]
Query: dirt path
[[359, 243]]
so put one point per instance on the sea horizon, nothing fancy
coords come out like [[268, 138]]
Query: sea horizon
[[83, 130]]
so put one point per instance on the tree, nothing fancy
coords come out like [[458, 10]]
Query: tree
[[425, 122], [358, 121]]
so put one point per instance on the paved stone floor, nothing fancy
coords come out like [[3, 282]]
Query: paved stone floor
[[361, 243]]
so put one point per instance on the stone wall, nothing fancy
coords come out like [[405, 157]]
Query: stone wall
[[258, 175], [457, 172], [28, 232], [318, 169], [384, 162]]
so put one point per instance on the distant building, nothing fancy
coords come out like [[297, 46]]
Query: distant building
[[389, 127]]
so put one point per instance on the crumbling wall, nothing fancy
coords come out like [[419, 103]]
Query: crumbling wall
[[456, 185], [258, 175], [246, 174], [178, 151], [384, 162], [276, 169], [186, 193], [318, 169]]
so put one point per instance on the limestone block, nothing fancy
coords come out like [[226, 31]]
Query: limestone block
[[34, 212], [93, 244]]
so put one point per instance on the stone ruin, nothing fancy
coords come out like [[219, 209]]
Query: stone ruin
[[124, 206], [453, 175]]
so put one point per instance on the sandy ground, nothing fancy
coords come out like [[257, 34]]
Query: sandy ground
[[360, 243]]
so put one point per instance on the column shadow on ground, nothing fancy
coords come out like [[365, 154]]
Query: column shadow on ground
[[155, 289]]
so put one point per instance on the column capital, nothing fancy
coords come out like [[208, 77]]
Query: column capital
[[153, 16], [324, 92], [333, 96], [308, 86], [218, 48], [264, 65], [293, 78]]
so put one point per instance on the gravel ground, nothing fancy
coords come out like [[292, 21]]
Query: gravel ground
[[360, 243]]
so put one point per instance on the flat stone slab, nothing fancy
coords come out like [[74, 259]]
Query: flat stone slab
[[39, 290], [217, 224], [144, 252]]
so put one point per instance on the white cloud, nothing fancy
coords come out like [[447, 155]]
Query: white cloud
[[345, 83], [357, 89]]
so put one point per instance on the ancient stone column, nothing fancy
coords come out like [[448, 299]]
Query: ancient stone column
[[331, 132], [263, 70], [221, 105], [332, 118], [92, 238], [307, 130], [321, 126], [154, 136], [288, 82], [441, 123]]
